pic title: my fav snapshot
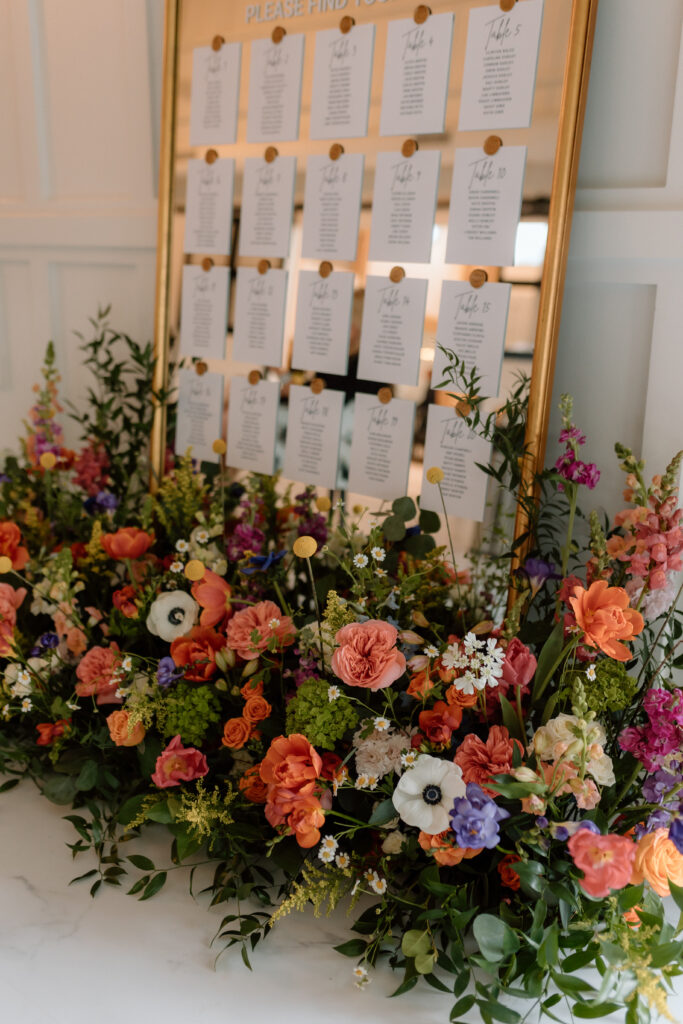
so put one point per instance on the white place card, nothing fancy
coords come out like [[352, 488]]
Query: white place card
[[486, 199], [323, 322], [267, 204], [204, 312], [215, 94], [454, 448], [208, 207], [381, 447], [500, 66], [313, 431], [332, 207], [252, 425], [342, 72], [200, 413], [416, 71], [392, 329], [403, 207], [259, 324], [275, 89], [472, 324]]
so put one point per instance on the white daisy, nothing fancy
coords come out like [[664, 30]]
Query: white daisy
[[380, 573], [378, 884], [409, 758], [201, 536], [382, 724], [333, 693], [379, 554], [361, 976], [6, 713], [590, 673], [328, 849], [360, 561], [274, 623], [120, 693], [127, 663], [182, 546], [73, 706], [176, 566], [342, 860], [431, 651], [26, 704]]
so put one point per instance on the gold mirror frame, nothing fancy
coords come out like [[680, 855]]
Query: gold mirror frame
[[573, 102]]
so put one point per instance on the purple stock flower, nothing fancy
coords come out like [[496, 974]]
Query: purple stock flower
[[475, 818], [168, 673], [676, 833], [245, 538]]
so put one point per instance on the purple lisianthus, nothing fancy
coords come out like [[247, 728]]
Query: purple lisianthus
[[475, 818], [168, 672]]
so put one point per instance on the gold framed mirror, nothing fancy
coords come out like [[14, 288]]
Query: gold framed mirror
[[536, 274]]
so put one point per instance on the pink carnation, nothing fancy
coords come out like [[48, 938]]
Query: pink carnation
[[367, 655], [178, 764]]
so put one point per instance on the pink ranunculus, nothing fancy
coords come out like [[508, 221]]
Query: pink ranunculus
[[519, 666], [178, 764], [260, 628], [10, 600], [367, 655], [97, 674]]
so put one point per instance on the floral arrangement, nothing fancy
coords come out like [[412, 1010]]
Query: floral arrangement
[[326, 708]]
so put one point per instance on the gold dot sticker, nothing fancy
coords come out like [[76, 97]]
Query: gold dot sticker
[[5, 564], [200, 368], [325, 268], [346, 24], [207, 263], [317, 385], [217, 42], [478, 277], [323, 503], [305, 547], [211, 156], [385, 395], [195, 570], [463, 408], [336, 150], [492, 145], [421, 14], [507, 5], [409, 147], [219, 446], [263, 266], [278, 34], [48, 460], [396, 274], [254, 377], [435, 474], [270, 154]]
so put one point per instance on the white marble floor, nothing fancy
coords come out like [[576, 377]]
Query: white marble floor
[[68, 959]]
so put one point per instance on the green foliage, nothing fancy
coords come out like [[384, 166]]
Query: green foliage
[[321, 720], [190, 711], [323, 886], [178, 500]]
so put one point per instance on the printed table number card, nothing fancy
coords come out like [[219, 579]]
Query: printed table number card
[[416, 70], [500, 66], [403, 207], [332, 207], [313, 431], [204, 312], [267, 203], [275, 89], [200, 411], [454, 448], [215, 94], [258, 331], [208, 207], [323, 322], [391, 334], [486, 199], [472, 323], [342, 71], [252, 425], [381, 447]]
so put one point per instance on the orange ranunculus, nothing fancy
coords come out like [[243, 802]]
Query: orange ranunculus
[[196, 653], [603, 613], [124, 600], [506, 870], [262, 627], [302, 812], [444, 850], [420, 684], [213, 595], [236, 732], [657, 860], [97, 673], [606, 861], [10, 541], [479, 760], [121, 731], [48, 732], [457, 699], [252, 689], [253, 786], [440, 722], [128, 542], [291, 763], [256, 709]]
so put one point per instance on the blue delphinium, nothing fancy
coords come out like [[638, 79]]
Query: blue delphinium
[[475, 818]]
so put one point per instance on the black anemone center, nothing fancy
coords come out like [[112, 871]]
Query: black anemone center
[[431, 794], [176, 616]]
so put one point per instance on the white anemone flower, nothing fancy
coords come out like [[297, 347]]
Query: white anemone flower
[[425, 794], [172, 614]]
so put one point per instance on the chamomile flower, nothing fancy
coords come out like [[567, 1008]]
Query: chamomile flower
[[127, 663], [340, 777], [274, 623], [367, 781], [380, 573], [342, 860], [333, 693], [379, 554], [360, 561], [182, 546], [26, 704], [202, 536], [590, 673], [378, 884], [120, 693], [73, 706], [176, 566], [328, 849], [382, 724], [409, 758], [361, 975], [431, 651]]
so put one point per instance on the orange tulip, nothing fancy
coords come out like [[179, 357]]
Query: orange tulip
[[128, 542], [213, 595]]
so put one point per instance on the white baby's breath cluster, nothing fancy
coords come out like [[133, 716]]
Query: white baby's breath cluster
[[480, 662]]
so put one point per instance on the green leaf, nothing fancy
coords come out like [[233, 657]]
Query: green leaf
[[495, 938], [393, 528], [152, 888], [677, 893], [510, 719], [130, 809], [424, 963], [601, 1010], [404, 508], [383, 813], [410, 981], [419, 545], [10, 784], [664, 954], [160, 812], [571, 985], [549, 654], [414, 943], [354, 947], [87, 777], [498, 1012], [548, 950], [461, 1007], [88, 874], [60, 789], [144, 863], [429, 521]]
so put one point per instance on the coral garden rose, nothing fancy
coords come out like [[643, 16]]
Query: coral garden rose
[[302, 812], [443, 849], [260, 628], [604, 615], [124, 734], [440, 722], [98, 674], [291, 763], [172, 614], [196, 653], [480, 760], [421, 684], [256, 709], [367, 655], [178, 764], [10, 601], [213, 595], [252, 785], [128, 542], [10, 545], [606, 861], [48, 732], [506, 870], [657, 861], [236, 732]]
